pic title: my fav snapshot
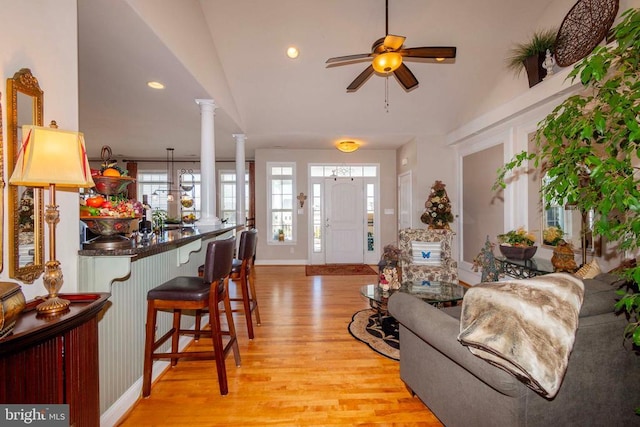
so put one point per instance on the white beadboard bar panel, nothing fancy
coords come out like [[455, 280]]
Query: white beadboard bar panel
[[122, 324]]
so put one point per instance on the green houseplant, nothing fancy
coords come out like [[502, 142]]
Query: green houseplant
[[530, 55], [589, 147]]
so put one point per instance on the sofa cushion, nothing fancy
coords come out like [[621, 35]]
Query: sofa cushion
[[599, 294]]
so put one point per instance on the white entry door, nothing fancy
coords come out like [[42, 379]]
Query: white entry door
[[344, 220]]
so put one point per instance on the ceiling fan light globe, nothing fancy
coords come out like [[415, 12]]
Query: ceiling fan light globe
[[387, 62]]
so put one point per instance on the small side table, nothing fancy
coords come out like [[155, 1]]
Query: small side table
[[524, 269]]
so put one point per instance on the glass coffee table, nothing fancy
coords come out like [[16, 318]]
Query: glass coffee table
[[434, 293]]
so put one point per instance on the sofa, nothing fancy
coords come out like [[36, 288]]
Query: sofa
[[601, 385]]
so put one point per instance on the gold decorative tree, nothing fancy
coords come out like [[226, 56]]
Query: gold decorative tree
[[437, 213]]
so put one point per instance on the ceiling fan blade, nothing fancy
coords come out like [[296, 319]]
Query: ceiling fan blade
[[392, 42], [360, 79], [348, 58], [406, 77], [429, 52]]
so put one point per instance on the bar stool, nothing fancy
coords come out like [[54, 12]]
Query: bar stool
[[189, 293], [241, 273]]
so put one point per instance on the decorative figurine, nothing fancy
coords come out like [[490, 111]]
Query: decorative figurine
[[548, 64]]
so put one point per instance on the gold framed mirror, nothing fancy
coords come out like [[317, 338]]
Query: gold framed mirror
[[25, 206]]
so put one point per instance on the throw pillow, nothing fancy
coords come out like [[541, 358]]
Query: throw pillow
[[426, 253], [589, 270]]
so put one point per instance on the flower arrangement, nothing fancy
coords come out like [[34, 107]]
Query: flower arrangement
[[519, 237], [552, 235], [437, 212]]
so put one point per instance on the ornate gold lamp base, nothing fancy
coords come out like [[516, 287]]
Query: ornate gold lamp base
[[53, 282]]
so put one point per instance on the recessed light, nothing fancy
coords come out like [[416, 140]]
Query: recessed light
[[293, 52], [439, 59], [155, 85]]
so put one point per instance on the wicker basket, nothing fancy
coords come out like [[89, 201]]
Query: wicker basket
[[518, 252]]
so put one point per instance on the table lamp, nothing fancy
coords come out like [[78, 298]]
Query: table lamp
[[52, 157]]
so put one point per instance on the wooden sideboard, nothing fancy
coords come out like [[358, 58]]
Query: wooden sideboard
[[54, 359]]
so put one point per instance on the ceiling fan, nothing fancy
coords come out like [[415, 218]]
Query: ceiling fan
[[387, 53]]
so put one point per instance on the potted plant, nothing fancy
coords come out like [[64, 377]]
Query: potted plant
[[531, 55], [517, 244], [597, 133], [552, 235]]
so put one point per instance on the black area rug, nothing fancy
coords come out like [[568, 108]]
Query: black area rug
[[383, 339]]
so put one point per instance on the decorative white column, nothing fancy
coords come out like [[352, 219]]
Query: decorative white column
[[207, 164], [241, 216]]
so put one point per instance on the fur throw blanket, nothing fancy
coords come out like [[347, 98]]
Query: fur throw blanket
[[526, 327]]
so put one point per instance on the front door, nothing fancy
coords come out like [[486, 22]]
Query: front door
[[344, 220]]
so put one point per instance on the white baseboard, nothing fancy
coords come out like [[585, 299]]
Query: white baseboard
[[281, 262]]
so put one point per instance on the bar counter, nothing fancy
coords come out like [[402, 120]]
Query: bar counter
[[128, 274], [166, 240]]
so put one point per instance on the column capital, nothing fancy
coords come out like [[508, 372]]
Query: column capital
[[239, 137], [206, 104]]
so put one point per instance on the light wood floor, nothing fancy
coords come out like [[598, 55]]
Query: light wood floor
[[303, 368]]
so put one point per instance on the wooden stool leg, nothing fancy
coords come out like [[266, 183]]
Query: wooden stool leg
[[246, 304], [196, 336], [216, 338], [232, 327], [175, 336], [148, 348], [254, 298]]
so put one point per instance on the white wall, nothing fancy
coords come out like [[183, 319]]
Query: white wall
[[42, 35]]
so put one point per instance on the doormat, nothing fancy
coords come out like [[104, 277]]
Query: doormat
[[340, 270], [381, 338]]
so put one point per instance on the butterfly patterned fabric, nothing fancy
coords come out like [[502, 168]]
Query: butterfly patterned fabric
[[426, 253]]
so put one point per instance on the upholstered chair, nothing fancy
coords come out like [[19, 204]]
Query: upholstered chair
[[427, 255]]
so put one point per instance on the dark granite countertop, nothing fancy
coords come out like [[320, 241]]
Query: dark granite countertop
[[163, 242]]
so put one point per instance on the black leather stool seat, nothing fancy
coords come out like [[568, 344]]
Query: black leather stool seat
[[182, 288]]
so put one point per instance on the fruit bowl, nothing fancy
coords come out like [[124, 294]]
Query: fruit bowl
[[108, 225], [189, 219], [111, 185]]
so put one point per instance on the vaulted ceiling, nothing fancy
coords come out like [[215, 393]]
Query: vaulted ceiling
[[233, 51]]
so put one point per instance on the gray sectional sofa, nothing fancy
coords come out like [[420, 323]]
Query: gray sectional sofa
[[601, 386]]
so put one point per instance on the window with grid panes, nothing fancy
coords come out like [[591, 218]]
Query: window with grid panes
[[227, 180], [281, 179]]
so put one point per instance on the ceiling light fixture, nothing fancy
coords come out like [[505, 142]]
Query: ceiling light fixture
[[387, 62], [293, 52], [155, 85], [347, 146]]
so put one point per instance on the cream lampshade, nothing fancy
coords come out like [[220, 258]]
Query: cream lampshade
[[52, 157]]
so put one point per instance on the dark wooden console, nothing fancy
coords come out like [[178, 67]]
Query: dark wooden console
[[54, 359]]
